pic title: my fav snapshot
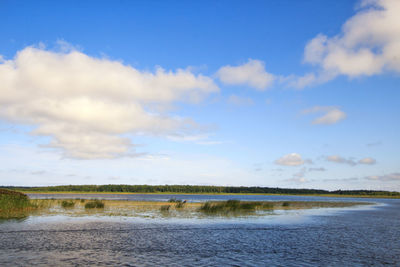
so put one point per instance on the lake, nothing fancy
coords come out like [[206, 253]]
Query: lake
[[357, 236]]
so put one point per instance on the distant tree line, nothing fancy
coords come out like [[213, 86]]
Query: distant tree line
[[197, 189]]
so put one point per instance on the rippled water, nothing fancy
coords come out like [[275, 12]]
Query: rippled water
[[323, 237]]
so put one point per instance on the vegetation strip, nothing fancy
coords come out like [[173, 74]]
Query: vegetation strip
[[194, 189], [17, 205]]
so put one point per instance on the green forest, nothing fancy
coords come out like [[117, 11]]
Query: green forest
[[197, 189]]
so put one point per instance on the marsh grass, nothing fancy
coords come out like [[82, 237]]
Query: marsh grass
[[179, 205], [237, 207], [165, 208], [94, 204], [180, 209], [66, 204], [14, 204], [230, 206]]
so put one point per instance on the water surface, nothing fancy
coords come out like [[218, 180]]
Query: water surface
[[360, 236]]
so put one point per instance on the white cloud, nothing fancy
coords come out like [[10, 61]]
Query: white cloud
[[331, 115], [367, 161], [292, 159], [252, 73], [88, 106], [387, 177], [240, 101], [368, 44]]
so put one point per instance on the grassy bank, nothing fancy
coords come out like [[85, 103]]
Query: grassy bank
[[15, 205]]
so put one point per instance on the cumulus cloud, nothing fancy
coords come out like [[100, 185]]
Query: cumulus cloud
[[368, 44], [367, 161], [292, 159], [387, 177], [331, 115], [89, 106], [240, 101], [252, 73]]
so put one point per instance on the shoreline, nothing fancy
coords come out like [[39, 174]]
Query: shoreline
[[223, 194]]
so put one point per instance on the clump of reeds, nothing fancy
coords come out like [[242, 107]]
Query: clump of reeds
[[94, 204], [268, 206], [67, 204], [180, 204], [14, 204], [230, 206], [165, 207]]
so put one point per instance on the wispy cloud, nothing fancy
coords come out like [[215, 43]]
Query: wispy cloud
[[374, 144], [38, 172], [321, 169], [293, 159], [367, 161], [331, 114], [386, 177], [339, 159], [350, 161], [350, 179]]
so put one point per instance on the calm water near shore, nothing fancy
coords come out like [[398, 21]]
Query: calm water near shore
[[357, 236], [192, 197]]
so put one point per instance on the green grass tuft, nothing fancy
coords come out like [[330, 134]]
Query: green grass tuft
[[94, 204], [67, 204]]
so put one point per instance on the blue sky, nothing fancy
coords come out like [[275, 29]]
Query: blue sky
[[299, 94]]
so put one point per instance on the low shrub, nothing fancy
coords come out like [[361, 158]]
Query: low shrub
[[285, 204]]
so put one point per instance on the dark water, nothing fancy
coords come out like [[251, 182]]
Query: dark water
[[365, 236]]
